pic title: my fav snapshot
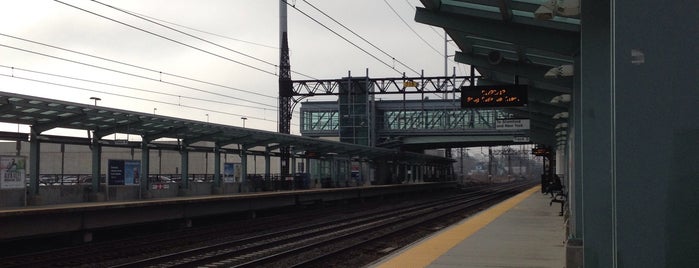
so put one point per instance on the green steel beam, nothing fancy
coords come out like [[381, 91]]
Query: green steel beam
[[205, 137], [527, 36], [549, 85], [170, 131], [531, 71], [119, 128], [59, 123]]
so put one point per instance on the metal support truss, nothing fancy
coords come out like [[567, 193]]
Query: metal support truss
[[285, 99], [393, 85]]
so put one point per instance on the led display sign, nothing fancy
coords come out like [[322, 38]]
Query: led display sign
[[494, 96]]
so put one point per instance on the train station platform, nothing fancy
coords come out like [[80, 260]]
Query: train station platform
[[523, 231], [30, 221]]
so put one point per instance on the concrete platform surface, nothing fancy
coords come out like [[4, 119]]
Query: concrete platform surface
[[523, 231]]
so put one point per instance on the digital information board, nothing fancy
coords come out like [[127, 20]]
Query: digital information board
[[494, 96]]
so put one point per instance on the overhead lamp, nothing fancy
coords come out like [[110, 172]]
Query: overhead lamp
[[556, 99], [561, 115], [560, 71], [563, 98]]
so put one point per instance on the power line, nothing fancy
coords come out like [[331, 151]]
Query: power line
[[367, 41], [205, 32], [134, 75], [195, 37], [128, 87], [139, 67], [441, 35], [169, 39], [411, 28], [132, 97], [339, 35]]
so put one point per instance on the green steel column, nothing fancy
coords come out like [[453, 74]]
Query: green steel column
[[599, 226], [34, 160], [244, 165], [268, 163], [96, 165], [145, 169], [333, 172], [575, 145], [217, 165], [184, 153]]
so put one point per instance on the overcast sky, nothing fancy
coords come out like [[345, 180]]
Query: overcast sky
[[315, 51]]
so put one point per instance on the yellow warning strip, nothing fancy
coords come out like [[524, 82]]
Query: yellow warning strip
[[426, 252]]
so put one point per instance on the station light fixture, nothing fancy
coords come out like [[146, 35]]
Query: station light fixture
[[561, 115]]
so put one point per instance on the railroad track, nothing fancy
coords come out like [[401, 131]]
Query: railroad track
[[246, 246], [300, 246], [95, 253]]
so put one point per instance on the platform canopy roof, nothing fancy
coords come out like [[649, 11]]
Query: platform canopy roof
[[46, 114], [506, 43]]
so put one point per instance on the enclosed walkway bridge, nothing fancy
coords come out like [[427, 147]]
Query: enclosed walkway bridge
[[417, 124]]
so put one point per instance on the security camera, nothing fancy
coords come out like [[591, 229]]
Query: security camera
[[558, 71], [552, 8]]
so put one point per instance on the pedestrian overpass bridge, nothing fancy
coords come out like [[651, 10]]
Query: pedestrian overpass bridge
[[414, 124]]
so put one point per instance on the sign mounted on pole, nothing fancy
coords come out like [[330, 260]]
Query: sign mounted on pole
[[494, 96]]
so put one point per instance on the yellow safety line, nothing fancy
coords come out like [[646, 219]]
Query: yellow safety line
[[426, 252]]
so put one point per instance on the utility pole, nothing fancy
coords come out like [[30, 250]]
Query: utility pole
[[285, 88]]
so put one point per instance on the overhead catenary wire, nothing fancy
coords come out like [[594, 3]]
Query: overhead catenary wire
[[203, 31], [136, 98], [128, 87], [138, 67], [134, 75], [339, 35], [169, 39], [431, 27], [195, 37], [360, 37], [411, 28], [441, 35]]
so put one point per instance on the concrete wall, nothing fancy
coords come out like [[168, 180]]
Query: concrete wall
[[12, 197], [77, 159]]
